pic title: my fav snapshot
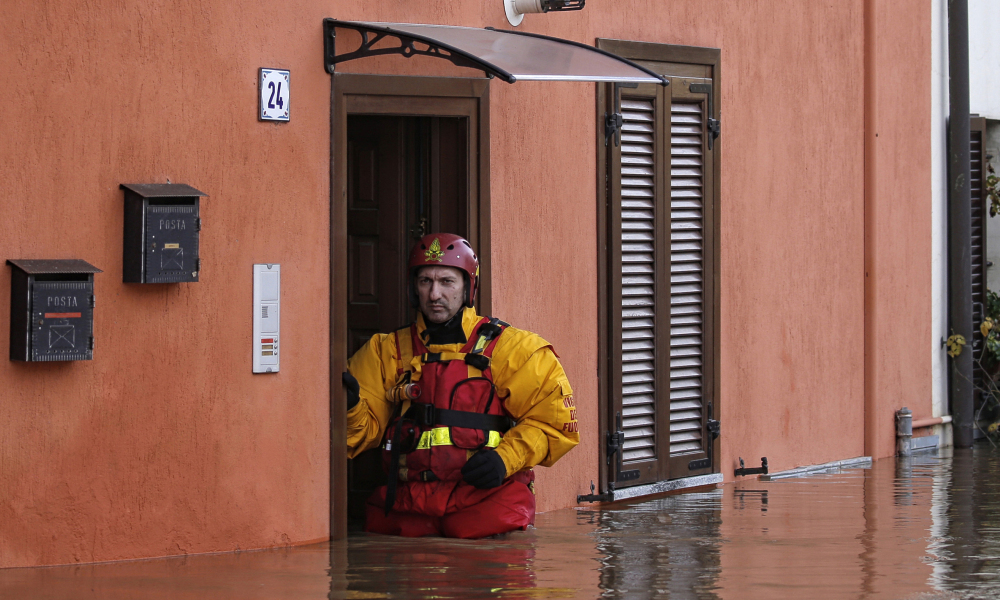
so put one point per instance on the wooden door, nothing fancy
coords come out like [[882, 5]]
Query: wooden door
[[407, 176]]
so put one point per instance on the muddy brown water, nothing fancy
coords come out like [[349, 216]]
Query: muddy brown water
[[926, 528]]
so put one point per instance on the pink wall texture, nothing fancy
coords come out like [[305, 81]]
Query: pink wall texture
[[167, 444]]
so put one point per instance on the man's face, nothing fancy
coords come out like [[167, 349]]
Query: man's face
[[441, 291]]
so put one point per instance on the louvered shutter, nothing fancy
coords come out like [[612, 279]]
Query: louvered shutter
[[638, 277], [687, 271], [660, 348], [661, 170], [978, 195]]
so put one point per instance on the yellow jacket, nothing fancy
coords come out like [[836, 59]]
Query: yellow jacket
[[528, 377]]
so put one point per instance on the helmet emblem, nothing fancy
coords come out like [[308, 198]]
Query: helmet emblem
[[434, 252]]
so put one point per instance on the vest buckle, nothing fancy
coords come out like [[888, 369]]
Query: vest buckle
[[479, 361], [423, 414]]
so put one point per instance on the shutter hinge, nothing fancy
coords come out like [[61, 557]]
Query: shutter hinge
[[90, 345], [93, 301], [612, 128], [613, 122], [615, 441], [714, 131], [714, 126], [713, 428], [197, 224]]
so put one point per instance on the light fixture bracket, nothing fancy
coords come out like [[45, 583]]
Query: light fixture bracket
[[513, 17], [516, 9]]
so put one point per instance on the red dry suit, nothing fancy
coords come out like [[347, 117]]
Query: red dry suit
[[456, 414], [488, 382]]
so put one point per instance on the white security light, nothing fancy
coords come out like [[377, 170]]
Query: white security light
[[516, 9]]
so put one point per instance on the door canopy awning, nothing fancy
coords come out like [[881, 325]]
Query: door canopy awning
[[510, 55]]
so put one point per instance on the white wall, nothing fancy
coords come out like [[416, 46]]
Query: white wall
[[992, 146], [939, 201], [984, 99], [984, 58]]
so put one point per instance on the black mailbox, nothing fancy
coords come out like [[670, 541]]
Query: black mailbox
[[161, 233], [52, 310]]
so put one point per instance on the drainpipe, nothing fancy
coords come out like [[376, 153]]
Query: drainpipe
[[904, 432], [959, 220], [931, 422]]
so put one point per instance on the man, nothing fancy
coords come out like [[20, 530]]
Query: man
[[463, 406]]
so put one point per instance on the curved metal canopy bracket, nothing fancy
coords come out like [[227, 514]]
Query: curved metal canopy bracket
[[372, 35], [509, 55]]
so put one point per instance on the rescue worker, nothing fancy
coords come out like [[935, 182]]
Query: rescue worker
[[463, 406]]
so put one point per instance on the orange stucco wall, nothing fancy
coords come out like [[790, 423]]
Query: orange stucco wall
[[167, 444], [898, 224], [792, 236]]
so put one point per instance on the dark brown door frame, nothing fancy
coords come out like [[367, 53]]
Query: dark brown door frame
[[394, 95], [654, 56]]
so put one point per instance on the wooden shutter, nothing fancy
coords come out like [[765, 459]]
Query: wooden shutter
[[658, 177], [687, 274], [638, 278], [660, 347]]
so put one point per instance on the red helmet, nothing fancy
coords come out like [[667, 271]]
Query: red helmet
[[445, 250]]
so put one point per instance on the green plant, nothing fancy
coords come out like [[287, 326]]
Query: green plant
[[991, 190], [989, 364]]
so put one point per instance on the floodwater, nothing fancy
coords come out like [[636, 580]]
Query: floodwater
[[926, 528]]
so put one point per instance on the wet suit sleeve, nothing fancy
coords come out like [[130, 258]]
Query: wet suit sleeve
[[537, 394], [374, 366]]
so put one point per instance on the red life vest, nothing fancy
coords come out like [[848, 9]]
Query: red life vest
[[456, 414]]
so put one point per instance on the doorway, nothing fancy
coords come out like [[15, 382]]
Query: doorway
[[406, 177], [410, 156]]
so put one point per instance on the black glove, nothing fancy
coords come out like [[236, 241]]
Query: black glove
[[484, 469], [353, 389]]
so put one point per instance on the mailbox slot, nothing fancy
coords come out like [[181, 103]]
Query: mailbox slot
[[51, 310], [162, 229]]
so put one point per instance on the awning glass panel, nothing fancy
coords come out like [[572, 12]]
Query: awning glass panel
[[512, 56]]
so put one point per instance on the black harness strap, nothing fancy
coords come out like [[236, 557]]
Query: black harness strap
[[426, 415], [393, 482], [478, 361]]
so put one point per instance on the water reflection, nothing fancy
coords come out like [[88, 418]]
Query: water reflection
[[668, 547], [927, 527], [969, 550]]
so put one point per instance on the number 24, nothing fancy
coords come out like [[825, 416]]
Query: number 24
[[270, 102]]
